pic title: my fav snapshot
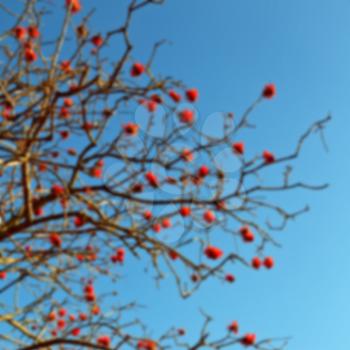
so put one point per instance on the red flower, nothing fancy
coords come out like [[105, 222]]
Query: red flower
[[55, 240], [203, 171], [131, 129], [230, 278], [73, 5], [213, 253], [174, 96], [185, 211], [209, 216], [104, 340], [238, 147], [233, 327], [65, 113], [2, 275], [20, 33], [192, 95], [269, 262], [72, 318], [247, 234], [269, 157], [186, 116], [97, 40], [33, 32], [269, 91], [75, 332], [147, 215], [248, 339], [120, 255], [256, 263], [30, 55], [152, 179], [137, 69]]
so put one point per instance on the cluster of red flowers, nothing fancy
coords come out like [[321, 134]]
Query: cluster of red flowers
[[248, 339]]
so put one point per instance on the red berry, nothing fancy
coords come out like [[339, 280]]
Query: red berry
[[152, 106], [137, 69], [157, 227], [203, 171], [181, 331], [152, 179], [55, 240], [186, 116], [249, 339], [30, 55], [62, 312], [97, 40], [233, 327], [269, 157], [256, 263], [68, 102], [173, 255], [20, 33], [269, 262], [247, 234], [147, 215], [73, 5], [174, 96], [33, 32], [238, 148], [185, 211], [166, 223], [104, 340], [61, 324], [192, 95], [269, 91], [230, 278], [209, 216], [213, 253], [187, 155], [75, 332]]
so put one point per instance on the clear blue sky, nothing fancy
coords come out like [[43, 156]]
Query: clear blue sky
[[229, 49]]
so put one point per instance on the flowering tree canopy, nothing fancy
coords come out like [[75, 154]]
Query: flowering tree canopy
[[102, 159]]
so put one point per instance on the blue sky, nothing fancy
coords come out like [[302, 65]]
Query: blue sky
[[229, 49]]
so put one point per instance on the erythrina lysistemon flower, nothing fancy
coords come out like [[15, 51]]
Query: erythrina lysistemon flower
[[233, 327], [175, 96], [256, 263], [131, 129], [209, 216], [33, 32], [152, 179], [246, 234], [186, 116]]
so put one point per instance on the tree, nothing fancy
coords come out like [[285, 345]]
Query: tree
[[85, 186]]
